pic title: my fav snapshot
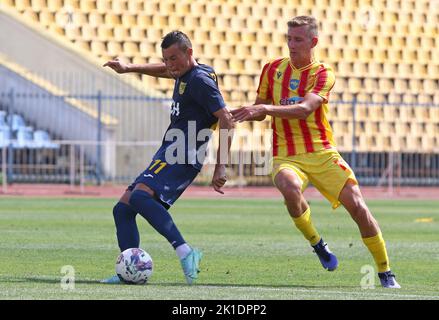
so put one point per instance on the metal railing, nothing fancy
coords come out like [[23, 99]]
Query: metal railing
[[100, 138]]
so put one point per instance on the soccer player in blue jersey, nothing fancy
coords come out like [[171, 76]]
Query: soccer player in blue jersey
[[197, 107]]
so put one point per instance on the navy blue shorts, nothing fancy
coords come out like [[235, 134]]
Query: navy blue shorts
[[168, 181]]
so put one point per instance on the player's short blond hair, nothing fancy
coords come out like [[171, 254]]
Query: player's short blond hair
[[308, 21]]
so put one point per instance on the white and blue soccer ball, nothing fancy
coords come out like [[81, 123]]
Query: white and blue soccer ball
[[134, 266]]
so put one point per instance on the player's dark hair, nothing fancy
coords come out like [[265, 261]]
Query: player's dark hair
[[308, 21], [178, 37]]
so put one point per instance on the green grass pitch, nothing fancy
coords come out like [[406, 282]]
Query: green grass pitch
[[251, 251]]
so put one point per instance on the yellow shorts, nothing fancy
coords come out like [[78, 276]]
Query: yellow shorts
[[325, 169]]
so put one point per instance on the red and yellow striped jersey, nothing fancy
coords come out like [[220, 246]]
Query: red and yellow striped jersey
[[283, 84]]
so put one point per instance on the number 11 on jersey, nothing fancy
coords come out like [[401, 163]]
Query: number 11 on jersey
[[161, 164]]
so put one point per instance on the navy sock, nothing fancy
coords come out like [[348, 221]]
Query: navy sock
[[126, 227], [157, 216]]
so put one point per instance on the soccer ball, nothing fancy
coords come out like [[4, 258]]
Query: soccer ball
[[134, 266]]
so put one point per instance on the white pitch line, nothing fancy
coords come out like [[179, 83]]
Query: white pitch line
[[362, 293]]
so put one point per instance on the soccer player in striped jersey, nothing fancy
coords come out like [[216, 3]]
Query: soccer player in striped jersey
[[295, 91]]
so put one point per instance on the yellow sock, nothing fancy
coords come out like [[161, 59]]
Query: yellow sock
[[304, 224], [377, 248]]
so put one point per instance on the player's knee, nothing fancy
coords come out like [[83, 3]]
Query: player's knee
[[122, 211], [138, 198], [290, 188]]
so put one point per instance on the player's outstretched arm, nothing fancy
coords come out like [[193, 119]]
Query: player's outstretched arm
[[150, 69], [250, 113], [226, 126], [299, 110]]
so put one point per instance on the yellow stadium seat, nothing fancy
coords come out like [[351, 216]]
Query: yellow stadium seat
[[207, 22], [160, 21], [22, 5], [130, 49], [140, 60], [210, 50], [119, 6], [409, 98], [407, 113], [220, 64], [54, 5], [375, 112], [135, 7], [242, 51], [248, 38], [237, 97], [114, 48], [420, 70], [226, 50], [121, 33], [415, 85], [409, 55], [30, 15], [402, 128], [431, 128], [246, 82], [341, 127], [89, 32], [230, 82], [137, 33], [196, 7], [394, 97], [129, 20], [87, 6], [47, 18], [375, 69], [84, 45], [217, 36], [404, 70], [144, 20], [73, 4], [433, 70], [355, 85], [386, 128], [222, 23], [213, 9], [395, 56], [103, 6], [350, 54], [154, 35], [421, 113], [96, 19], [380, 55], [429, 144], [236, 65], [430, 86], [104, 32], [253, 23], [73, 33], [425, 98], [98, 48], [38, 5], [385, 85], [112, 19], [391, 112], [400, 85], [251, 96]]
